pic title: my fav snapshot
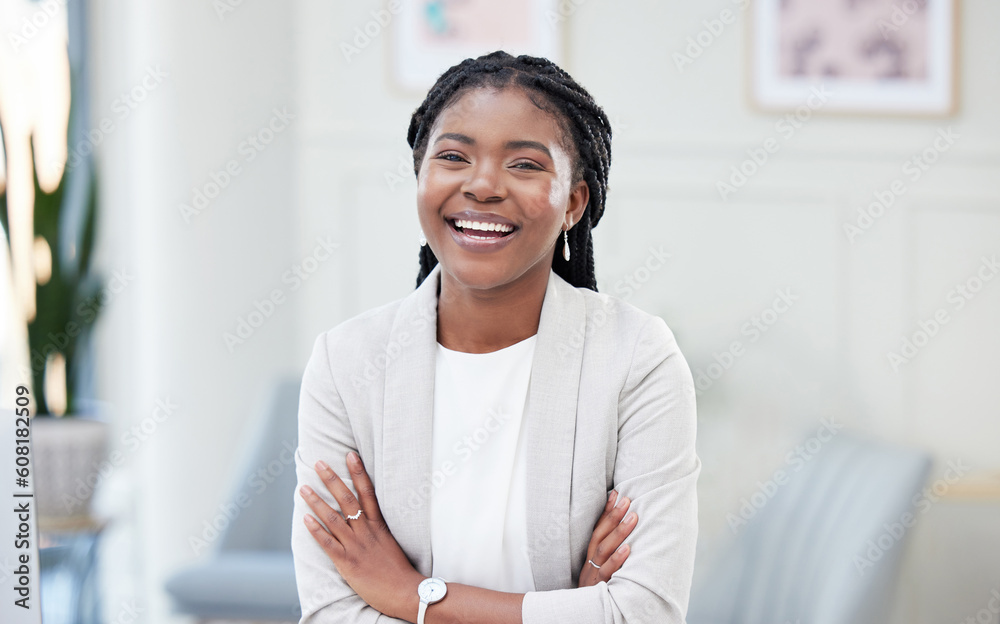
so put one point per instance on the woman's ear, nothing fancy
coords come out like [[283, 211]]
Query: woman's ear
[[578, 199]]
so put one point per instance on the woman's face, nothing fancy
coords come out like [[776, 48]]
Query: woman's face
[[494, 157]]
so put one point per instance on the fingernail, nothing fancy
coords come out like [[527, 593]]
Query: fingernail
[[622, 501], [308, 491], [623, 549], [353, 458], [612, 496], [630, 518], [322, 465]]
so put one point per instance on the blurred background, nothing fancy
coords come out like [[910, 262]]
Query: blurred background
[[809, 195]]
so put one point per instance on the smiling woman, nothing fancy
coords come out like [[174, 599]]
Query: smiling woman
[[494, 157], [499, 464]]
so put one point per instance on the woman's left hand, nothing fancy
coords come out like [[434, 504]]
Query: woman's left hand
[[363, 550]]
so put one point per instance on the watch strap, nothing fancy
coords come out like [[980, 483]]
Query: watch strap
[[421, 611]]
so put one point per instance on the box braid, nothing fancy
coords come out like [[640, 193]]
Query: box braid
[[581, 118]]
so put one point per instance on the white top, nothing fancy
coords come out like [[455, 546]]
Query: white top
[[479, 533]]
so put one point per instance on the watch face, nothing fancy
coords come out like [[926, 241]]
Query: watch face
[[431, 590]]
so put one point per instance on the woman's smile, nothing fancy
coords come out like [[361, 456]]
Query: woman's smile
[[481, 231]]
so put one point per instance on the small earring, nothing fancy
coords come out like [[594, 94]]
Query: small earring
[[566, 245], [423, 241]]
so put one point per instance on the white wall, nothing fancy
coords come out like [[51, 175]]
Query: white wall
[[676, 134], [164, 337]]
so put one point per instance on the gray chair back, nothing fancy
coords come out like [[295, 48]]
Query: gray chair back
[[267, 478], [803, 557]]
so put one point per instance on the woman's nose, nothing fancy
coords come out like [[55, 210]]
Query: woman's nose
[[485, 183]]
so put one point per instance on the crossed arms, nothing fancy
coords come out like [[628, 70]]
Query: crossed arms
[[656, 467]]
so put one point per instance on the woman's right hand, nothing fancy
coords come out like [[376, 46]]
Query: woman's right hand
[[608, 536]]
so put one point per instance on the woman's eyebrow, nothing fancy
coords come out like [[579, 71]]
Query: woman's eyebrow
[[514, 145], [455, 136], [509, 145]]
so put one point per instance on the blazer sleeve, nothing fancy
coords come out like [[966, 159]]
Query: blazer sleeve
[[657, 468], [324, 433]]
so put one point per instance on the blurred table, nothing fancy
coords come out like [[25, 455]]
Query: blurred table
[[68, 574]]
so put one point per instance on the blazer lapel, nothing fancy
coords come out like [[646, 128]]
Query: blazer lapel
[[551, 427], [407, 417], [549, 423]]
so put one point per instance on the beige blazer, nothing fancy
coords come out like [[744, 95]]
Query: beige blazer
[[611, 405]]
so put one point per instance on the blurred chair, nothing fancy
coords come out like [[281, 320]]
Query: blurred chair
[[250, 574], [802, 558], [67, 576]]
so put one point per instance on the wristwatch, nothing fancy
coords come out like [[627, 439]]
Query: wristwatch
[[430, 590]]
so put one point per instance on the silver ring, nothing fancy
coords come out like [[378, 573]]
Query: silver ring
[[356, 516], [591, 562]]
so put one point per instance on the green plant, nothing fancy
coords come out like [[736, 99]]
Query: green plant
[[68, 303]]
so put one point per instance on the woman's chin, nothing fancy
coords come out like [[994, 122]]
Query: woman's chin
[[473, 275], [489, 275]]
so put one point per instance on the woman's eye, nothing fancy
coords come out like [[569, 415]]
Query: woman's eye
[[451, 156], [526, 165]]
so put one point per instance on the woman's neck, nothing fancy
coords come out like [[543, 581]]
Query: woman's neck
[[481, 321]]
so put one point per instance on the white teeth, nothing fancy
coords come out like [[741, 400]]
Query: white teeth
[[486, 227]]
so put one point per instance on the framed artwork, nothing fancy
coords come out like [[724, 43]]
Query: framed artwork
[[429, 36], [867, 56]]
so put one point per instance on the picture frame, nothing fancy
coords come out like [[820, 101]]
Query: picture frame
[[429, 36], [868, 56]]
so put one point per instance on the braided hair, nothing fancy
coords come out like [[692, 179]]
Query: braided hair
[[584, 125]]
